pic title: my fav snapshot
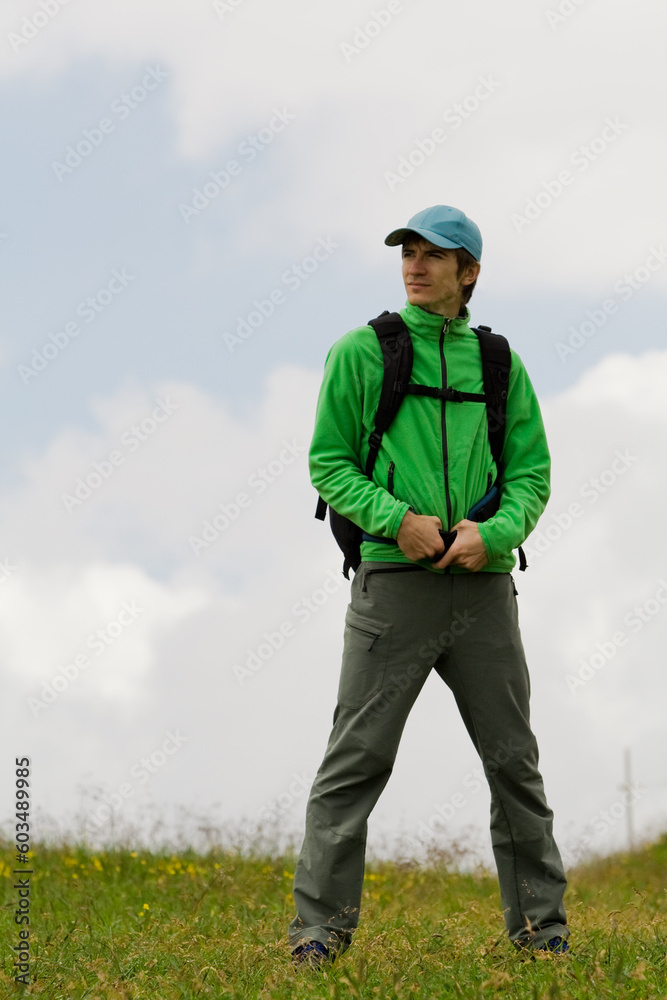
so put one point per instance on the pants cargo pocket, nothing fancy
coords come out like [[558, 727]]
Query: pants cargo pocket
[[365, 656]]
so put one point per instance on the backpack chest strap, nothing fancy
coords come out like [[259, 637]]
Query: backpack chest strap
[[450, 394]]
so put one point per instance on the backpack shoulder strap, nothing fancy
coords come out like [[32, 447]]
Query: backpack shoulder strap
[[496, 364], [397, 356]]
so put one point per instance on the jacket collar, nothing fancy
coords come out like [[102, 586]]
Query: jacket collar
[[428, 324]]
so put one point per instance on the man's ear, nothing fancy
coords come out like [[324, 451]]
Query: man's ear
[[471, 273]]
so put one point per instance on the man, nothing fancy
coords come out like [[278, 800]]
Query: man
[[415, 606]]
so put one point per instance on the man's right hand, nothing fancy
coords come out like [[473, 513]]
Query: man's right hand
[[418, 536]]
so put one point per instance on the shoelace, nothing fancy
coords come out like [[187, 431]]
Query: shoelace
[[314, 949]]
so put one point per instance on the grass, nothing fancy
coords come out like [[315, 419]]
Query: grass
[[118, 923]]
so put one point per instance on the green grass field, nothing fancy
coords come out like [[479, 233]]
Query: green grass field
[[157, 926]]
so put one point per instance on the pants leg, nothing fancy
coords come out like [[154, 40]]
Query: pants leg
[[486, 671], [381, 676], [398, 624]]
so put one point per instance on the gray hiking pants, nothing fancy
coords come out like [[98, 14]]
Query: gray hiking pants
[[401, 622]]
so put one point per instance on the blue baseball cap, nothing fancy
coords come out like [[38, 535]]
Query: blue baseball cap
[[445, 226]]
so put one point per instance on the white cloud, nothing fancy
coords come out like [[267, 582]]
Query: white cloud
[[96, 628]]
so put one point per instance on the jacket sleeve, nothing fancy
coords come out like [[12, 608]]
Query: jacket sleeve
[[526, 467], [340, 444]]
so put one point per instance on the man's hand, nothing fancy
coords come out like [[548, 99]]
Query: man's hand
[[466, 550], [418, 536]]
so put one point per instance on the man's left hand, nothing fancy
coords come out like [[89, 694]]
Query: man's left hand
[[467, 549]]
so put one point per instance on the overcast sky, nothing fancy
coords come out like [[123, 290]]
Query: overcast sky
[[195, 201]]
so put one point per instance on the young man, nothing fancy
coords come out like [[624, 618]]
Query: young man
[[415, 607]]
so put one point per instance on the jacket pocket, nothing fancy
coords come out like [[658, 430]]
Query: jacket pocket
[[365, 655]]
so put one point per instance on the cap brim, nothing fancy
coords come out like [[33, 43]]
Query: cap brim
[[398, 236]]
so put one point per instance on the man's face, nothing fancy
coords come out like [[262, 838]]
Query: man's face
[[431, 278]]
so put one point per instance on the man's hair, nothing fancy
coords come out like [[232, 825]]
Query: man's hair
[[464, 259]]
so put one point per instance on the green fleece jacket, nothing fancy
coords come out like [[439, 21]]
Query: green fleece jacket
[[435, 457]]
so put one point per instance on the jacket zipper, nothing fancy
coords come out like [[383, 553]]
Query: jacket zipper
[[443, 421], [390, 478]]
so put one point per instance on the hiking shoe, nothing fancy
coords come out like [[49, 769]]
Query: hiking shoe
[[314, 953], [556, 945]]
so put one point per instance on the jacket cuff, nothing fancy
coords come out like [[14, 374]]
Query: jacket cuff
[[401, 510], [491, 553]]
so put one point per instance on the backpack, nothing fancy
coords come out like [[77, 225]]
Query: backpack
[[397, 355]]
